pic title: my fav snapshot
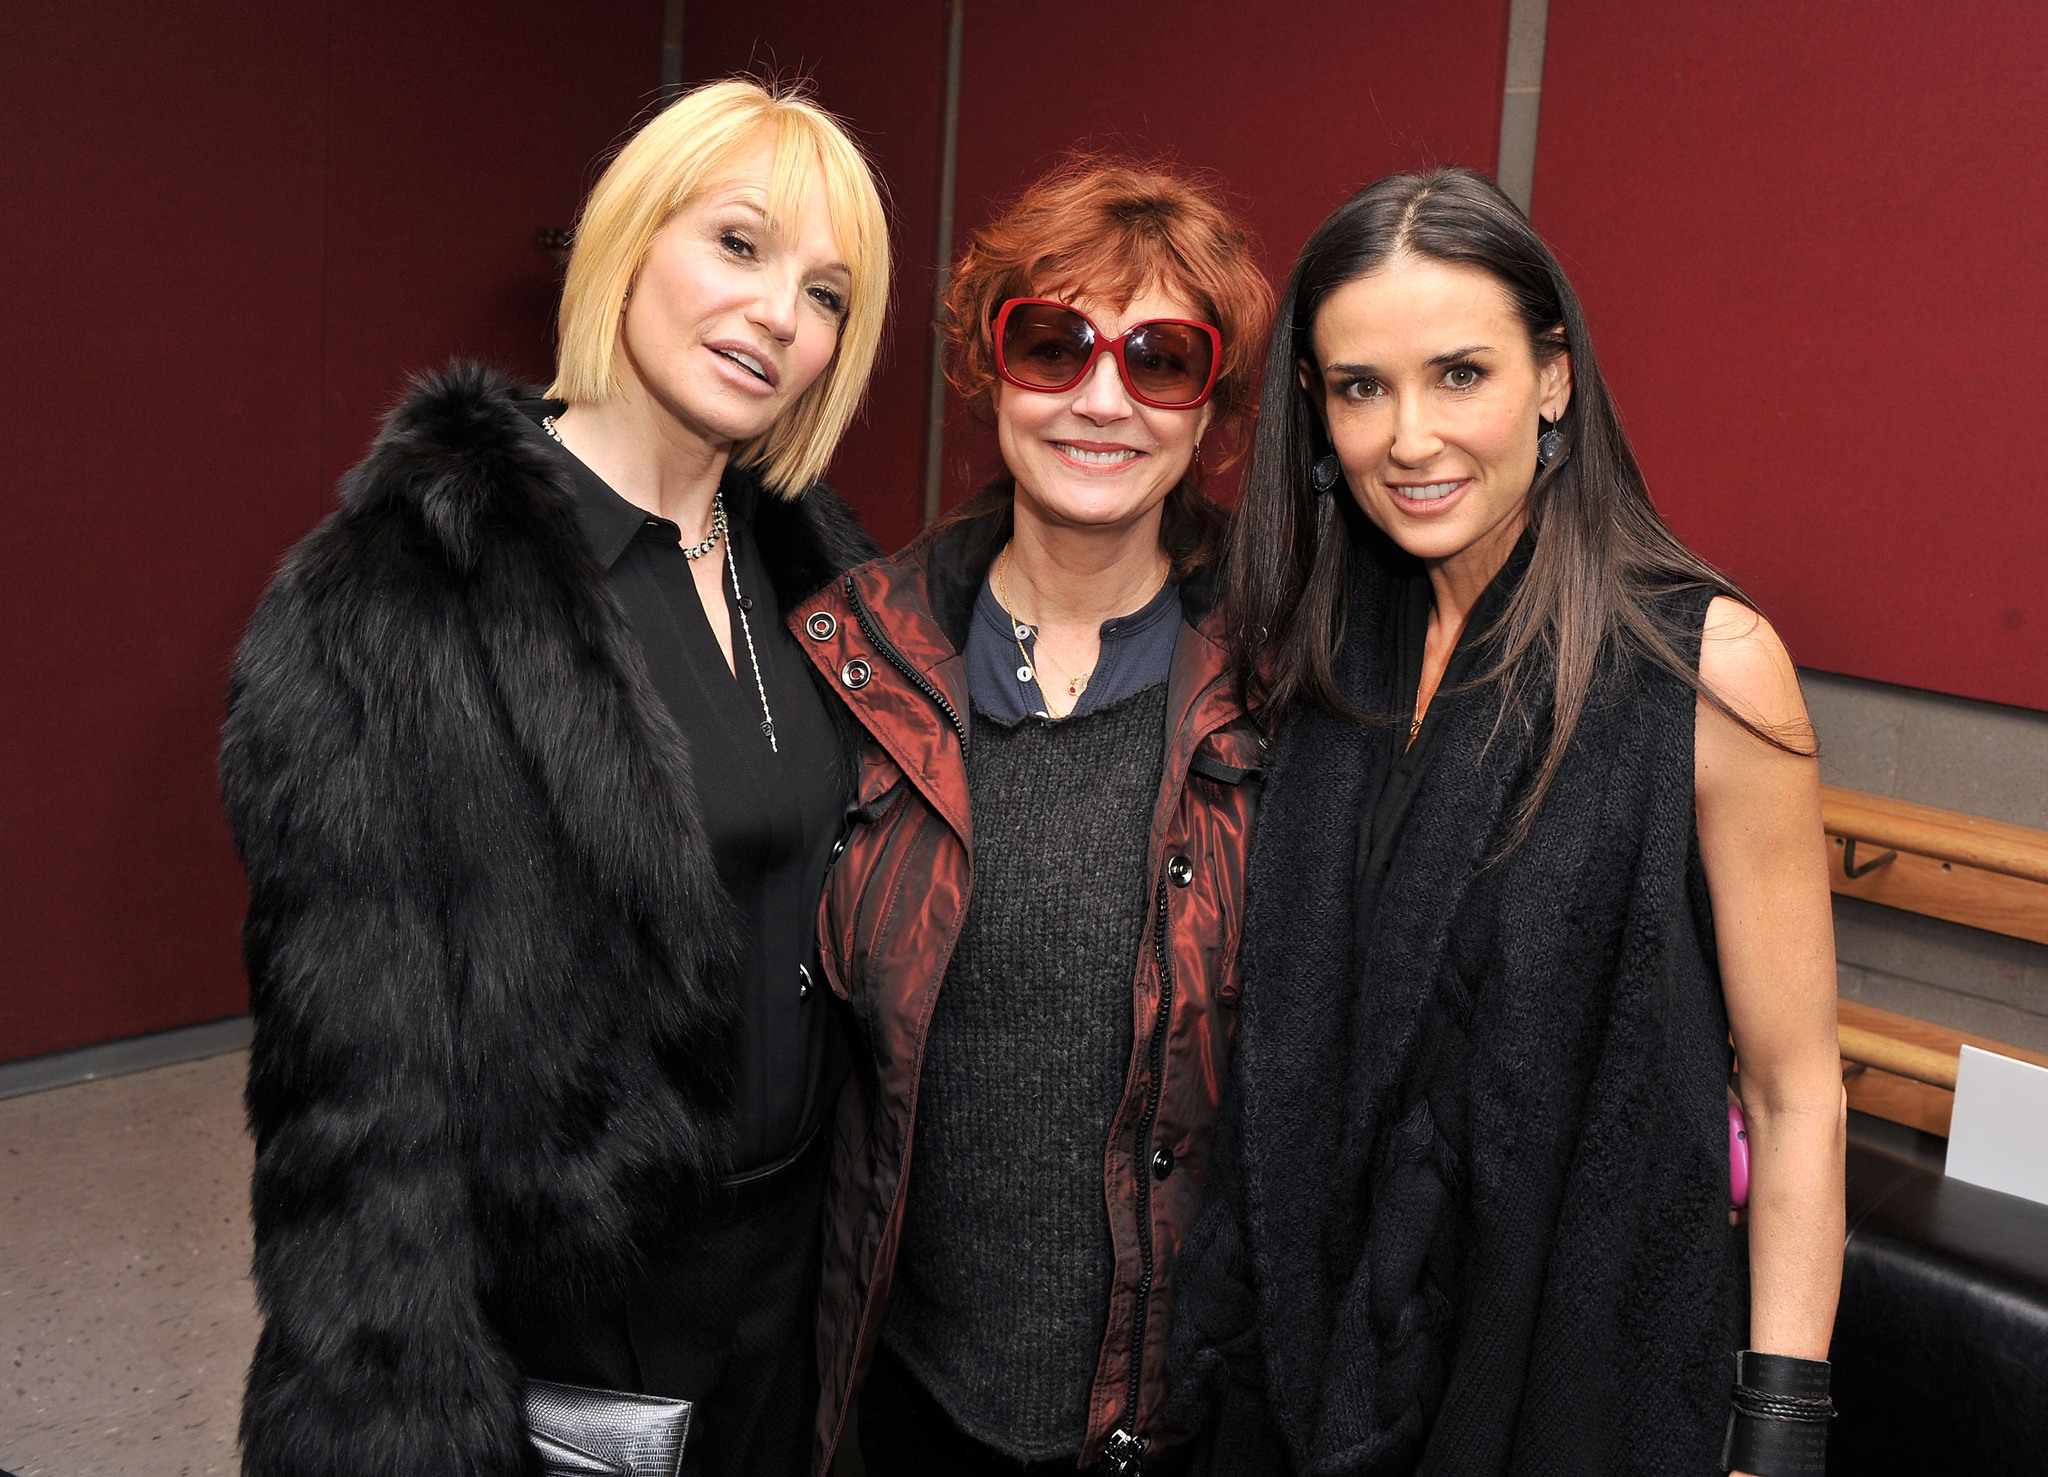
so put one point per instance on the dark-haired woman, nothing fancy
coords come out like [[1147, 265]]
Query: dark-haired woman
[[1541, 830], [1035, 917]]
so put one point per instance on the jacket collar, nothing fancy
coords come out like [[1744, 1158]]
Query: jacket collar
[[923, 598], [957, 558]]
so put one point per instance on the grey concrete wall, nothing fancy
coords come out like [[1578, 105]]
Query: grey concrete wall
[[1522, 100], [1961, 755]]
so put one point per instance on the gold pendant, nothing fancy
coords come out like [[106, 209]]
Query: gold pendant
[[1075, 686]]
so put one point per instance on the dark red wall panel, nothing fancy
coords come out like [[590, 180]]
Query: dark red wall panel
[[162, 259], [1812, 241], [458, 129], [232, 230]]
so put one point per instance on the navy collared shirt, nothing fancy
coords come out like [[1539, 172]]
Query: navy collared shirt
[[1137, 651]]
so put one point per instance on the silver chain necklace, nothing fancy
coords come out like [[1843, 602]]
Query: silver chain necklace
[[741, 603], [695, 551], [732, 568]]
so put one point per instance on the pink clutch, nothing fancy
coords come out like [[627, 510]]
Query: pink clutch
[[1738, 1156]]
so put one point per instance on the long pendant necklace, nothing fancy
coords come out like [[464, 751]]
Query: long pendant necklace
[[741, 603], [1076, 683]]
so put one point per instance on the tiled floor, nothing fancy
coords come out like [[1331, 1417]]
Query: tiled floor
[[126, 1316]]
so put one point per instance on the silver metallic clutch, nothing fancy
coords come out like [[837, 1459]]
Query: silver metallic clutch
[[605, 1433]]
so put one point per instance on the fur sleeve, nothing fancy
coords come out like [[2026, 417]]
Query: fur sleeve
[[375, 1356]]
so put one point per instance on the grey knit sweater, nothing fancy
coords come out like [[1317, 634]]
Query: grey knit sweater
[[1002, 1283]]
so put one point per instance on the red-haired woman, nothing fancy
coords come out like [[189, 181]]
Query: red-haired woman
[[1035, 917]]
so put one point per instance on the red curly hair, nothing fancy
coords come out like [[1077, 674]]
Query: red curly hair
[[1108, 230]]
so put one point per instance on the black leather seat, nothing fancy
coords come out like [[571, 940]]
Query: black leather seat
[[1941, 1344]]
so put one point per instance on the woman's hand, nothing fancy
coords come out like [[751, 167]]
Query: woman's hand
[[1766, 863]]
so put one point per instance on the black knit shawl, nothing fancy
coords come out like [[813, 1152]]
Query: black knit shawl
[[1478, 1179]]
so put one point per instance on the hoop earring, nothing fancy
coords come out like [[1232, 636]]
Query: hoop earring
[[1550, 445], [1323, 476]]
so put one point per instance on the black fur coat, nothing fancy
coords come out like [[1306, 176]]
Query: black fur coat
[[489, 957]]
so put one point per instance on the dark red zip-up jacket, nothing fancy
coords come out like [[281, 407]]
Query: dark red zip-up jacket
[[890, 636]]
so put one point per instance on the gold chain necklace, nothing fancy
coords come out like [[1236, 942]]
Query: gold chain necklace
[[1076, 683]]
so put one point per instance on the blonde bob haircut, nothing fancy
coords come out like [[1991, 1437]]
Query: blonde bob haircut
[[684, 150]]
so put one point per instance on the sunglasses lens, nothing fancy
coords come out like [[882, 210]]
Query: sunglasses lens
[[1045, 345], [1168, 362]]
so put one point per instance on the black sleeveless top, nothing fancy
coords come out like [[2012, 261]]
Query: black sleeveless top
[[1469, 1200]]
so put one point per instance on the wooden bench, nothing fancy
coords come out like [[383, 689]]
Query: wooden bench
[[1941, 1336], [1943, 864]]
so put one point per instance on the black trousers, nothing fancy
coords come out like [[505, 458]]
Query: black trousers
[[727, 1317], [904, 1432]]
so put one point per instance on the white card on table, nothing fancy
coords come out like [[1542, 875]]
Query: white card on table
[[1999, 1135]]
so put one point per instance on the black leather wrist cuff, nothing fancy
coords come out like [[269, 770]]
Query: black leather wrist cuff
[[1779, 1424], [1781, 1374], [1775, 1448]]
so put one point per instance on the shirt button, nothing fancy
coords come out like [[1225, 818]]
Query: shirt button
[[1180, 871], [1162, 1162]]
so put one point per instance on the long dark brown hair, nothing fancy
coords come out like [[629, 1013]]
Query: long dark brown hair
[[1602, 555]]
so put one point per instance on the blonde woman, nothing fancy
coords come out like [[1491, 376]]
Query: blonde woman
[[535, 794]]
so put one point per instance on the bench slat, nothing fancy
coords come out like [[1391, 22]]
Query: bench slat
[[1944, 835]]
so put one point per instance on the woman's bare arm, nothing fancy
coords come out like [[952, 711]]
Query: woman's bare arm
[[1760, 838]]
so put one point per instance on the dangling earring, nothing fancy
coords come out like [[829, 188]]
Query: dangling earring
[[626, 299], [1195, 467], [1324, 474], [1550, 445]]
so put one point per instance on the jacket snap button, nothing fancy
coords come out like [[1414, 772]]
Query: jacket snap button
[[822, 626], [855, 674], [1180, 871], [838, 849], [803, 987], [1162, 1162]]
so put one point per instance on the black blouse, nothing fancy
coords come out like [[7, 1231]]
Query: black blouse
[[770, 815]]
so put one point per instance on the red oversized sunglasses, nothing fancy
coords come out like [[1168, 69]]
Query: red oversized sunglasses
[[1167, 363]]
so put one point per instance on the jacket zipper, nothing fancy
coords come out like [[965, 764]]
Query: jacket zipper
[[873, 631], [1126, 1448]]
